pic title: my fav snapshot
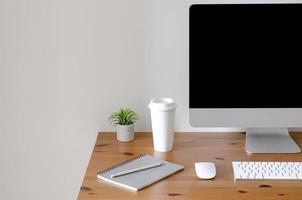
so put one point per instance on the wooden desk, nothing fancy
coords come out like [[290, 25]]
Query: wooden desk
[[221, 148]]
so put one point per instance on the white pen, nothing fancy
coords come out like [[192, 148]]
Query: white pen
[[136, 169]]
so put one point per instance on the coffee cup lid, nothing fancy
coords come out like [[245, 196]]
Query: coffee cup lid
[[162, 104]]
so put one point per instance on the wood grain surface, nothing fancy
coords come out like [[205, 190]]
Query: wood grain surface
[[220, 148]]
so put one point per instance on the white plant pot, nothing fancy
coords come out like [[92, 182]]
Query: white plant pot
[[125, 133]]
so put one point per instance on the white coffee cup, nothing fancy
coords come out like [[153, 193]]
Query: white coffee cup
[[162, 118]]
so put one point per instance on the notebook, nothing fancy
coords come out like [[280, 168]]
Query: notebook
[[140, 179]]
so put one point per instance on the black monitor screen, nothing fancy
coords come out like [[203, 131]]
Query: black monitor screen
[[245, 56]]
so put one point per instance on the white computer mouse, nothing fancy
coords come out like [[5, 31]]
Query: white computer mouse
[[205, 170]]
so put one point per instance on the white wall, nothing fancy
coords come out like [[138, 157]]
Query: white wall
[[162, 67], [63, 64]]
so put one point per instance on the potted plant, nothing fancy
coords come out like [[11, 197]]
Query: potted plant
[[124, 120]]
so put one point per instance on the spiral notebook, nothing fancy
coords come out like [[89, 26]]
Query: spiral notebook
[[140, 179]]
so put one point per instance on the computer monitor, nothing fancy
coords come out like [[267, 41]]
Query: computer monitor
[[244, 71]]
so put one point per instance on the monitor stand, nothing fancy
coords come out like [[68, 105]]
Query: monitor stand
[[269, 140]]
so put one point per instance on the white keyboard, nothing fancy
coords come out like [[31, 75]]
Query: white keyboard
[[244, 170]]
